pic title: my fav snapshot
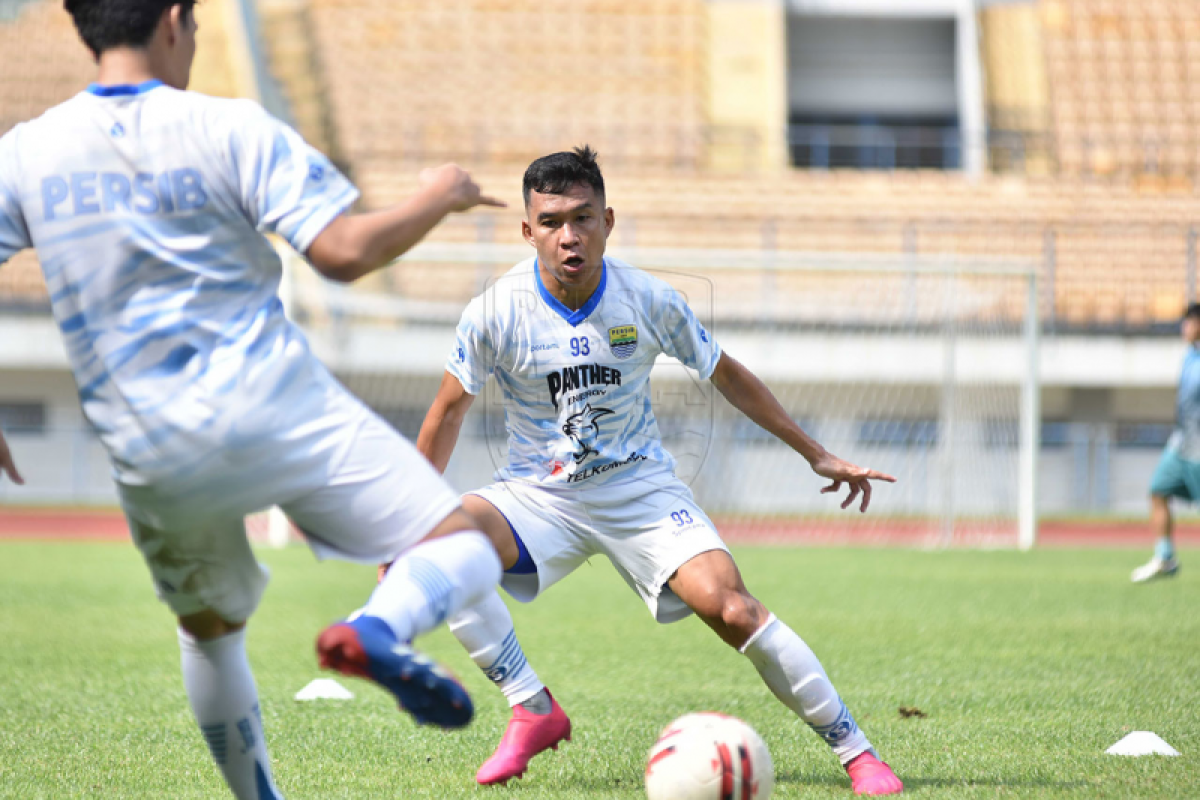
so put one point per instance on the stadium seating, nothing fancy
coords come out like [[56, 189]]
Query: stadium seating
[[43, 63], [1106, 94], [1113, 255], [1123, 80], [497, 80]]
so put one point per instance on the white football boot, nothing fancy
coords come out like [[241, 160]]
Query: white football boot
[[1155, 568]]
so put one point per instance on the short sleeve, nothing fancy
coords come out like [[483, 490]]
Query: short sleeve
[[14, 234], [473, 358], [286, 186], [685, 338]]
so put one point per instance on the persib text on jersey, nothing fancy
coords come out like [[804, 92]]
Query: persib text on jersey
[[83, 193]]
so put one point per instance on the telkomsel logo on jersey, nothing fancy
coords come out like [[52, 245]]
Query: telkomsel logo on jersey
[[584, 376]]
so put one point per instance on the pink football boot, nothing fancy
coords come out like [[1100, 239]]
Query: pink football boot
[[870, 776], [527, 735]]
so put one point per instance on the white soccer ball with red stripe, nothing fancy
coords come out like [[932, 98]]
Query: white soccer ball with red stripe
[[708, 756]]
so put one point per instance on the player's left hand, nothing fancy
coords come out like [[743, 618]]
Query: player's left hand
[[859, 478]]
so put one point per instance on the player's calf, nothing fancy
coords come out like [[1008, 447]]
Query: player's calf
[[224, 700]]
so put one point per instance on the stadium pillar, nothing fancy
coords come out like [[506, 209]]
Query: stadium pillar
[[968, 67], [249, 58], [747, 95], [948, 418], [1030, 421]]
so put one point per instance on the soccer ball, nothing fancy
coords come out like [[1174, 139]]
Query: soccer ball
[[708, 756]]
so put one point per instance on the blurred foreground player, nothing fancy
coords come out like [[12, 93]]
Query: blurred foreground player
[[1178, 471], [147, 205], [571, 337]]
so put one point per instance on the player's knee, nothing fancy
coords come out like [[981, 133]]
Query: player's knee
[[208, 624], [741, 613]]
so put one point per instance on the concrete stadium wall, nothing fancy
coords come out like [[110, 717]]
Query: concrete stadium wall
[[1091, 385]]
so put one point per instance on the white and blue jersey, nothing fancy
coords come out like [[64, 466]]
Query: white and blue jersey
[[148, 206], [576, 384]]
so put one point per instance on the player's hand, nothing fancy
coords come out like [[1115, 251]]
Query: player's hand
[[456, 184], [7, 465], [859, 478]]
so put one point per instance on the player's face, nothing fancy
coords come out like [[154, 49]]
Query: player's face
[[569, 231], [1190, 328]]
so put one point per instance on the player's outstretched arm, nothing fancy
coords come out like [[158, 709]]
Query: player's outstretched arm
[[439, 431], [748, 394], [354, 245], [7, 465], [443, 421]]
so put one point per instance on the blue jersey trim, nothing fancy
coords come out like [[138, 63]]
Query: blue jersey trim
[[123, 89], [580, 314]]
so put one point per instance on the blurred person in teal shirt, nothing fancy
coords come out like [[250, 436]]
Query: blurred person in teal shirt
[[1178, 471]]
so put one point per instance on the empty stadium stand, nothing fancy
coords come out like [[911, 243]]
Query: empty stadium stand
[[1102, 98]]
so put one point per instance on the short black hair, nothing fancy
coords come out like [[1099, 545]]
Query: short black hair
[[108, 24], [1192, 311], [557, 172]]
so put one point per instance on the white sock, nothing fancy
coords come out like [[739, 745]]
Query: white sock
[[794, 675], [486, 631], [224, 700], [433, 580]]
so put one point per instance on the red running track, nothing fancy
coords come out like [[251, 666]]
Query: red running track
[[109, 525]]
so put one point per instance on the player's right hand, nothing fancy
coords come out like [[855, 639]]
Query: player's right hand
[[7, 465], [858, 479], [457, 185]]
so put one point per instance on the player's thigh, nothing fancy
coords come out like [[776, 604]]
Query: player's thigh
[[495, 525], [207, 566], [647, 551], [546, 524], [381, 500], [1173, 477], [1190, 471]]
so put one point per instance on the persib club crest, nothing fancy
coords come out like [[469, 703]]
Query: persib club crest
[[622, 340]]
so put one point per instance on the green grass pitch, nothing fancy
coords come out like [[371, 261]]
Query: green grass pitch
[[1027, 667]]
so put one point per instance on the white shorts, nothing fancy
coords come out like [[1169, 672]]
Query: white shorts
[[647, 532], [360, 493]]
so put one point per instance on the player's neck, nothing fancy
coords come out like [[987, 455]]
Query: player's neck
[[125, 67], [573, 297]]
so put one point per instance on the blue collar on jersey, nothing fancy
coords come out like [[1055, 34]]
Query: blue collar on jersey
[[123, 89], [580, 314]]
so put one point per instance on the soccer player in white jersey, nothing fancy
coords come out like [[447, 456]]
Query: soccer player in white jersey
[[147, 205], [570, 336]]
